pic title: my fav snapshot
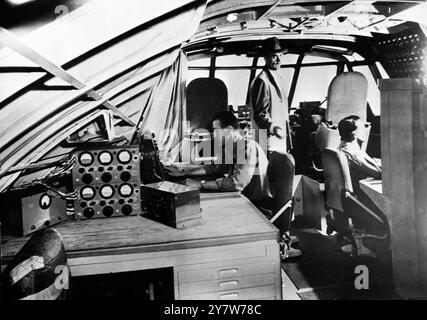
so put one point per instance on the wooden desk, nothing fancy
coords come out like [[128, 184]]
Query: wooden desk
[[373, 188], [232, 254]]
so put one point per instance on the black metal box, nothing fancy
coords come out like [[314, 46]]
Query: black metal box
[[173, 204]]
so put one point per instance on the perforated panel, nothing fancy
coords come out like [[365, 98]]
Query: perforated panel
[[403, 54]]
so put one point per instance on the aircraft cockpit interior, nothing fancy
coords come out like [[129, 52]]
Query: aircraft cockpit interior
[[213, 149]]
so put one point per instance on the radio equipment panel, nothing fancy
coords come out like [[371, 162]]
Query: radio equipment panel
[[28, 213], [108, 182]]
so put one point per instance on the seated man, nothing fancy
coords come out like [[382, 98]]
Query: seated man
[[361, 164], [244, 170]]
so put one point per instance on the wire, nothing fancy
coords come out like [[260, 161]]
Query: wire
[[73, 195]]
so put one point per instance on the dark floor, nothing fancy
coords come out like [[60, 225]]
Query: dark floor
[[325, 272]]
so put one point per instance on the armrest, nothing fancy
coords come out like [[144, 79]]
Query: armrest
[[278, 214], [348, 195]]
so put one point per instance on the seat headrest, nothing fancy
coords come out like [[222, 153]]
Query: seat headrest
[[347, 94], [205, 98]]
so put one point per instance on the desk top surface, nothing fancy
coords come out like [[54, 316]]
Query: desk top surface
[[373, 188], [227, 218], [371, 183]]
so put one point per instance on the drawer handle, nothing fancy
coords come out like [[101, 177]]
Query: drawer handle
[[228, 283], [226, 272], [229, 295]]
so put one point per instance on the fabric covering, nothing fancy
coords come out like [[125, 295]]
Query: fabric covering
[[164, 112]]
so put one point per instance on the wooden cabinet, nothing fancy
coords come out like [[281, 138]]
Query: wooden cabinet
[[252, 278], [232, 254]]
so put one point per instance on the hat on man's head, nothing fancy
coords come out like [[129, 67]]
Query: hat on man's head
[[272, 45]]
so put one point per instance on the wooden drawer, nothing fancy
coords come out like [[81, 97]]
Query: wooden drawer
[[225, 269], [264, 292], [198, 287]]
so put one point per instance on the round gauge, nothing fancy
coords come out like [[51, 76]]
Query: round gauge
[[124, 156], [125, 190], [87, 193], [45, 201], [85, 159], [105, 157], [106, 191]]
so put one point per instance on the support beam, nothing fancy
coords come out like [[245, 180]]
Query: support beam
[[252, 77], [283, 66], [280, 24], [269, 10], [331, 10], [212, 67], [295, 80], [8, 39]]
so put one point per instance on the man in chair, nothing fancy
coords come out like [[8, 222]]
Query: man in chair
[[361, 164], [244, 168]]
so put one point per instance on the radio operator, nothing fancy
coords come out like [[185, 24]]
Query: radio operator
[[246, 172]]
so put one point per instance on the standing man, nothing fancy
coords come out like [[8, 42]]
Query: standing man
[[268, 99], [270, 114]]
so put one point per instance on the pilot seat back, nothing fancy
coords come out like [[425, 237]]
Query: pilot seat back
[[337, 178], [347, 95], [205, 98]]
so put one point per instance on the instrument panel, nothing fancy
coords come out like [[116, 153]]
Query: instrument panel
[[108, 182]]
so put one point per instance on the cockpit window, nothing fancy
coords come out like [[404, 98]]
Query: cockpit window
[[313, 83], [234, 60], [373, 89], [194, 74], [237, 85], [199, 62], [316, 59], [287, 59]]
